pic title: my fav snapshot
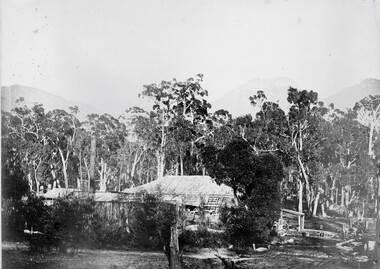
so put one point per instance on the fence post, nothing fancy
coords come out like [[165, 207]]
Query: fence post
[[175, 257]]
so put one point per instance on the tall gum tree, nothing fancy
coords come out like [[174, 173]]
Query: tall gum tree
[[110, 136], [304, 137], [368, 114], [177, 106], [61, 129], [25, 126]]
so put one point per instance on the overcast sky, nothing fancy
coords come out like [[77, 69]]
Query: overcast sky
[[103, 52]]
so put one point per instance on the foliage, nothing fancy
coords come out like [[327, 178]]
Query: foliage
[[64, 225], [71, 221], [201, 238], [110, 234], [255, 181], [151, 224]]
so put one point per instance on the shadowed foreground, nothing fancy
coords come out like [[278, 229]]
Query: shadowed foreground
[[283, 257]]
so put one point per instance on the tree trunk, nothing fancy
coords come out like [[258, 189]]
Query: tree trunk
[[316, 201], [175, 261], [370, 150], [36, 179], [80, 171], [347, 202], [181, 163], [174, 257], [102, 172], [377, 239], [136, 160], [64, 169], [342, 197], [323, 210], [160, 164], [300, 195], [306, 179], [92, 163], [30, 182]]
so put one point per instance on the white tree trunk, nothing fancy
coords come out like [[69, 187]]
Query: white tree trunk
[[64, 168], [316, 201], [300, 196]]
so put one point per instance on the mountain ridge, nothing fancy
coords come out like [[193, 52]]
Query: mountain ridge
[[237, 102], [347, 97], [32, 96]]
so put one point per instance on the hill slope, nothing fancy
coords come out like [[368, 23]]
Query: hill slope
[[237, 100], [10, 94], [347, 97]]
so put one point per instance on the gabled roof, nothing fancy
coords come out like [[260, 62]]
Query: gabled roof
[[184, 185], [106, 196], [58, 192]]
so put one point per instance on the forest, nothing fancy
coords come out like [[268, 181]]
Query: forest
[[330, 156]]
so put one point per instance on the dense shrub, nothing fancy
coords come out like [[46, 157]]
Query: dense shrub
[[63, 225], [71, 223], [244, 228], [110, 234], [201, 238], [12, 220], [255, 180], [151, 222]]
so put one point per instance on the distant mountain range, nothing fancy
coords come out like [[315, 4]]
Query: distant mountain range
[[32, 96], [347, 97], [237, 100]]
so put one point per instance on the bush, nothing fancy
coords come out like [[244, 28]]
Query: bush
[[201, 238], [255, 180], [12, 221], [110, 234], [71, 224], [250, 222], [63, 225], [151, 222]]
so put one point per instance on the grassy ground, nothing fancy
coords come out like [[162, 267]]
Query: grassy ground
[[99, 259], [299, 252], [302, 253]]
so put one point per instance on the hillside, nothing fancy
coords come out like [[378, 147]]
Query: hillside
[[237, 100], [10, 94], [347, 97]]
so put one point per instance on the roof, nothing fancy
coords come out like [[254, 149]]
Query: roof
[[188, 189], [58, 192], [184, 185], [105, 196]]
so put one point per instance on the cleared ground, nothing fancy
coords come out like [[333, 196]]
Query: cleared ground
[[293, 251], [303, 253]]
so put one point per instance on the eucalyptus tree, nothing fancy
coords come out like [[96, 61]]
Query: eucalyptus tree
[[368, 114], [346, 159], [13, 179], [176, 121], [304, 139], [220, 129], [25, 129], [61, 129], [110, 135], [269, 125], [254, 179]]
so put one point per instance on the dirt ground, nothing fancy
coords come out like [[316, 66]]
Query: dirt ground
[[294, 251], [313, 254]]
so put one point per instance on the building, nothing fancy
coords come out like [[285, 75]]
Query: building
[[192, 191]]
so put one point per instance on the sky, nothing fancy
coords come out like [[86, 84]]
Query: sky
[[104, 51]]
